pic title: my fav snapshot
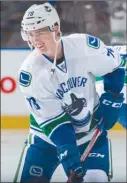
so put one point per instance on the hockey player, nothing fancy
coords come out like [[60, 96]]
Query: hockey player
[[58, 82]]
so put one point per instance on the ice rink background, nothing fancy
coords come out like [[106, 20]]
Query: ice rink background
[[12, 143]]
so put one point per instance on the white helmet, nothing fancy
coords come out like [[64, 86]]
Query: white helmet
[[37, 17]]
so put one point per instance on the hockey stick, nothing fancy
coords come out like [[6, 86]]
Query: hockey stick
[[92, 142]]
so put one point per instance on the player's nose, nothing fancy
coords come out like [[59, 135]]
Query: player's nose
[[36, 40]]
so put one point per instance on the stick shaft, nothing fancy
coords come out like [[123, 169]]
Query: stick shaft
[[92, 142]]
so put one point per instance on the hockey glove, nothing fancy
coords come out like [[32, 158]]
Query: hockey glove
[[109, 108], [76, 177], [69, 156]]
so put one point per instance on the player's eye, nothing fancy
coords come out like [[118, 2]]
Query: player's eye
[[41, 33]]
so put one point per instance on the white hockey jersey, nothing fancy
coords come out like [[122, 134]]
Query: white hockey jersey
[[71, 89]]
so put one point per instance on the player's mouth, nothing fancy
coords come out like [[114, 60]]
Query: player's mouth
[[41, 48]]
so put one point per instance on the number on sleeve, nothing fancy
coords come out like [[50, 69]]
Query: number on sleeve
[[33, 103]]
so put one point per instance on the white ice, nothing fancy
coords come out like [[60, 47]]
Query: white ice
[[12, 143]]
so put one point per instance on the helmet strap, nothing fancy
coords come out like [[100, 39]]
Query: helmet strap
[[56, 50]]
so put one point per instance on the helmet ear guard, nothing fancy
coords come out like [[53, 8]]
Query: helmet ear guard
[[24, 35]]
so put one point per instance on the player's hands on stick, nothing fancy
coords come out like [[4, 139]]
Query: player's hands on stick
[[109, 108], [76, 176], [69, 157]]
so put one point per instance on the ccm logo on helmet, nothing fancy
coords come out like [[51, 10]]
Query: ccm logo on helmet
[[7, 84]]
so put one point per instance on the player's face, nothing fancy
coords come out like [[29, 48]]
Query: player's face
[[42, 39]]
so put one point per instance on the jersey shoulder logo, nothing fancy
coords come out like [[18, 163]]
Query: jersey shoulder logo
[[93, 42], [25, 78]]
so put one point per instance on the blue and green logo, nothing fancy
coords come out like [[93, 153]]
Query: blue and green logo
[[25, 78]]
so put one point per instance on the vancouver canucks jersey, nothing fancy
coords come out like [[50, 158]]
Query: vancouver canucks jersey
[[69, 94]]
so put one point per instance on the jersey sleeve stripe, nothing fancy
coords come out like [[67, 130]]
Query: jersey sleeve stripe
[[52, 118]]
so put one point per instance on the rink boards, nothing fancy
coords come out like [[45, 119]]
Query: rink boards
[[22, 122], [14, 112]]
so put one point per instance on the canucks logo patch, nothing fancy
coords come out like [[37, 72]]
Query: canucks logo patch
[[76, 106], [25, 78], [93, 42], [36, 171]]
